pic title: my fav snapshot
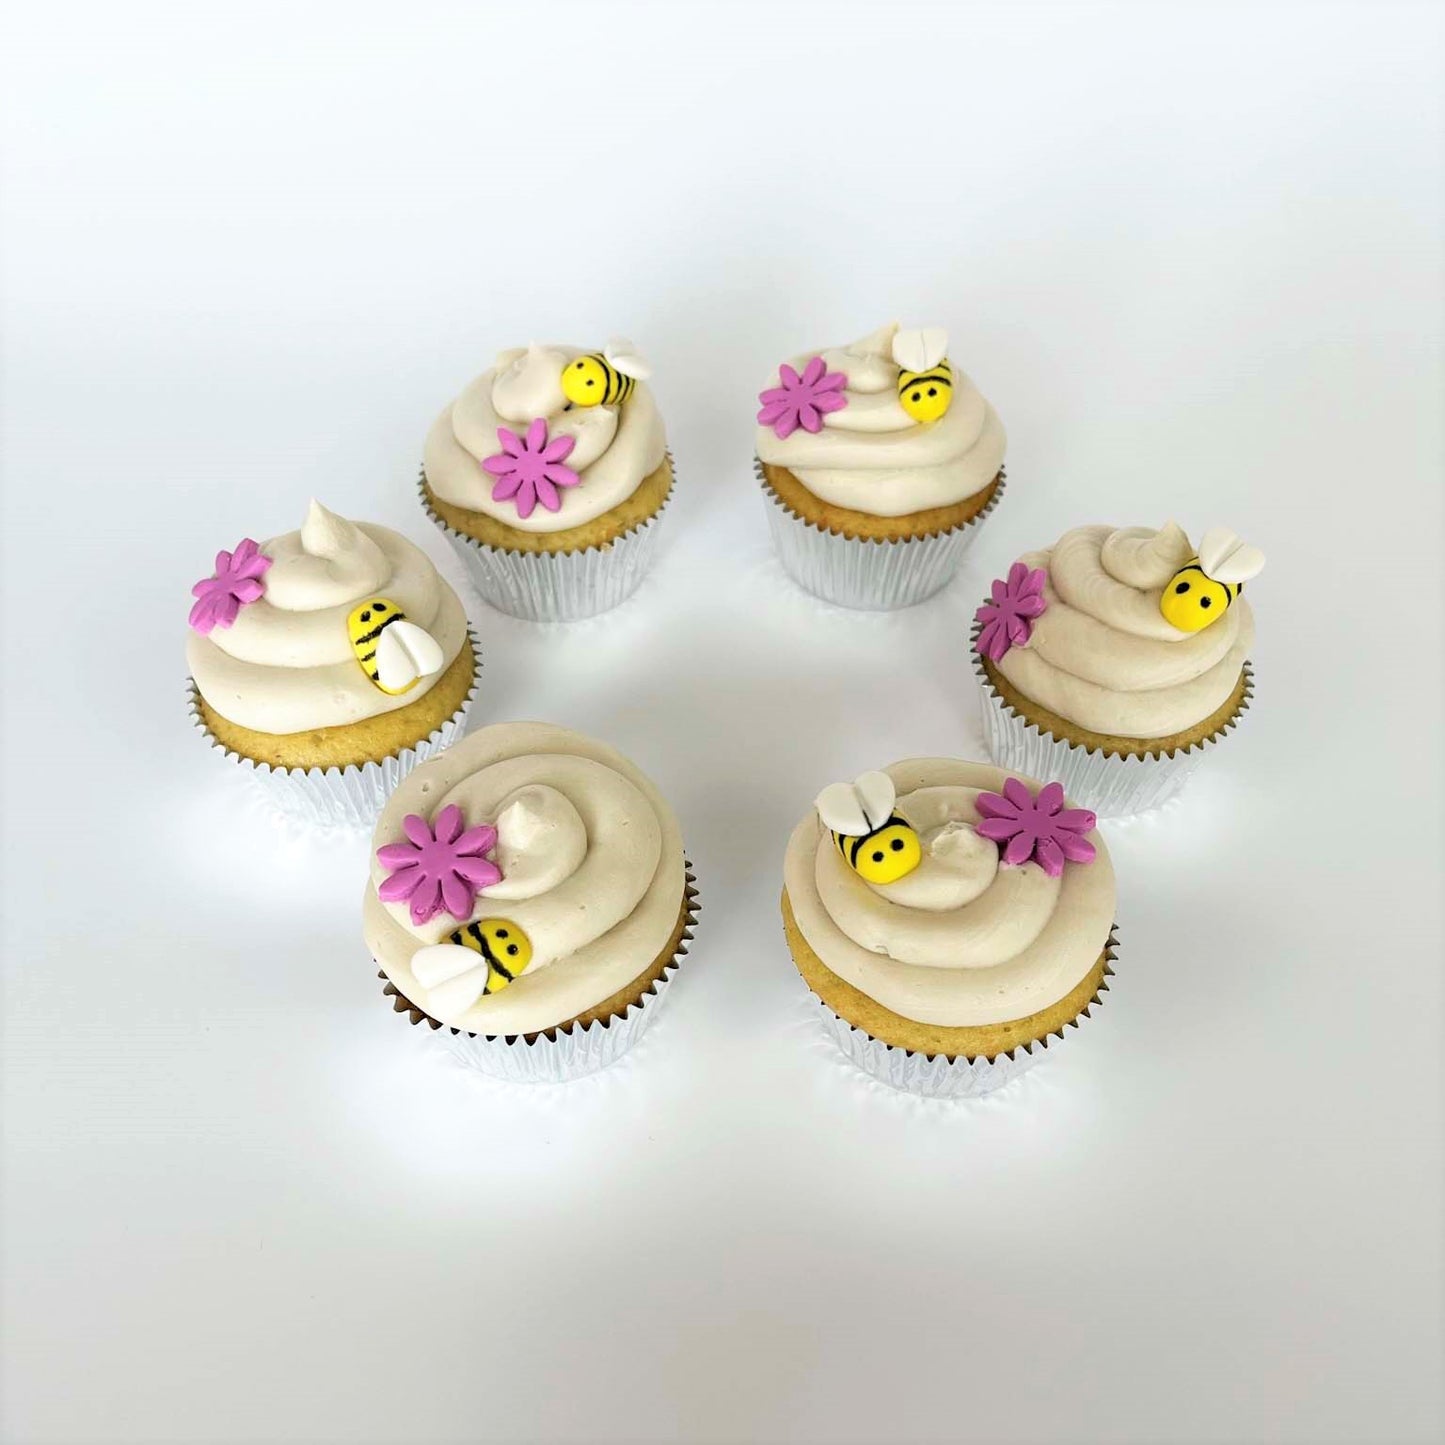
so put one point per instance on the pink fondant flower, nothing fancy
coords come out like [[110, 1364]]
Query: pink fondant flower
[[529, 469], [1008, 621], [802, 401], [237, 581], [441, 870], [1041, 828]]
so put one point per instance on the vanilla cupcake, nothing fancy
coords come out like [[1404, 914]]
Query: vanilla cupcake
[[529, 901], [879, 461], [547, 474], [1113, 660], [328, 662], [950, 919]]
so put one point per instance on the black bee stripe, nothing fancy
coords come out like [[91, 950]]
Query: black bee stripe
[[380, 628], [917, 379]]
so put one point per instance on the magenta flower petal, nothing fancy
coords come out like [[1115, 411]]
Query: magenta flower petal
[[526, 499], [786, 424], [827, 401], [479, 872], [480, 839], [992, 806], [499, 464], [458, 896], [401, 885], [559, 449], [547, 494], [833, 381], [506, 489], [448, 826], [530, 467], [1049, 856], [809, 417], [790, 378], [426, 899], [415, 828], [996, 830], [397, 855], [537, 435], [1051, 798], [1075, 848], [1015, 793], [1018, 849], [813, 372], [1076, 820]]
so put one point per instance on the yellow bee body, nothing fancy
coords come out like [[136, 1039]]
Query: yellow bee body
[[394, 653], [1193, 599], [883, 856], [502, 944], [364, 627], [926, 395], [592, 380]]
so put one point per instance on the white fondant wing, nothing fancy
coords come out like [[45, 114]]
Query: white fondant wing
[[920, 350], [859, 807], [1225, 558], [405, 652], [454, 978], [627, 359]]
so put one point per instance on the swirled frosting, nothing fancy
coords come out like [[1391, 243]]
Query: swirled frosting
[[871, 456], [616, 447], [1102, 654], [591, 861], [286, 664], [962, 941]]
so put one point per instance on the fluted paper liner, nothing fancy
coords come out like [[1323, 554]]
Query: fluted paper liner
[[557, 586], [1113, 786], [864, 572], [556, 1056], [942, 1076], [341, 797]]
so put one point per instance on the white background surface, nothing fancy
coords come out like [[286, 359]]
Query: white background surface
[[1193, 256]]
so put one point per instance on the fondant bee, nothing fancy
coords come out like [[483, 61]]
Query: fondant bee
[[1204, 589], [925, 379], [453, 978], [604, 378], [877, 844], [394, 653]]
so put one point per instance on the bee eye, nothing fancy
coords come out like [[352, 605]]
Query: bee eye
[[512, 950], [917, 396], [379, 606], [501, 933], [1182, 588], [1206, 602], [897, 845], [877, 857], [591, 382], [933, 391], [366, 616]]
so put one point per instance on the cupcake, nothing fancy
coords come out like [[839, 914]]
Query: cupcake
[[547, 475], [529, 901], [1114, 659], [328, 663], [879, 461], [950, 920]]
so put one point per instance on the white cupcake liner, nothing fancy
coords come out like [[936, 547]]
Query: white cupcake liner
[[341, 797], [1112, 786], [861, 572], [556, 586], [939, 1076], [558, 1055]]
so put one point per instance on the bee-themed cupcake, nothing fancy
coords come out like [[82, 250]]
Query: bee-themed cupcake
[[1112, 660], [949, 919], [327, 663], [529, 902], [879, 461], [548, 474]]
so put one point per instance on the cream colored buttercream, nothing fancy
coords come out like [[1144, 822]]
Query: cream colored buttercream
[[1016, 942], [285, 665], [615, 446], [1102, 654], [608, 912], [871, 456]]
